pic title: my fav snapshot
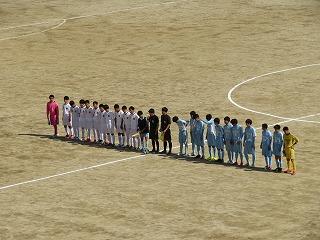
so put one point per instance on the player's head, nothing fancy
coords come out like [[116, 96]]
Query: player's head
[[175, 119], [192, 113], [216, 120], [124, 108], [164, 110], [286, 130], [101, 107], [51, 98], [72, 103], [197, 117], [106, 107], [131, 109], [116, 108], [87, 103], [264, 126], [151, 112], [208, 117], [234, 121], [95, 104], [226, 120], [82, 102], [277, 127], [140, 114], [66, 99], [248, 122]]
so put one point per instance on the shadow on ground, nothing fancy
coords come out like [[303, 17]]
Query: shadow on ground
[[172, 156]]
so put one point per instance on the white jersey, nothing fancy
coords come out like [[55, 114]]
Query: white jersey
[[82, 117], [126, 121], [96, 118], [89, 117], [75, 116], [109, 121], [118, 120], [66, 115], [134, 118]]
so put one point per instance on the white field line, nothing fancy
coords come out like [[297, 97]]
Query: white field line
[[34, 33], [64, 20], [269, 114], [69, 172]]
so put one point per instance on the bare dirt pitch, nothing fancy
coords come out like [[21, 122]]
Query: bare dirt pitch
[[186, 55]]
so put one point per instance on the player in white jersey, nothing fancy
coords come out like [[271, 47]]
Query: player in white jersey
[[126, 125], [118, 121], [96, 122], [89, 120], [109, 121], [82, 118], [66, 116], [134, 129], [102, 124], [75, 115]]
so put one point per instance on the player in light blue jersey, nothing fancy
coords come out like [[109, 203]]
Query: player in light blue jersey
[[219, 139], [237, 136], [277, 147], [266, 145], [191, 124], [198, 136], [183, 135], [249, 143], [228, 138]]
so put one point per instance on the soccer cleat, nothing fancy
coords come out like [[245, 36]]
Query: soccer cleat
[[163, 152], [293, 173], [198, 156]]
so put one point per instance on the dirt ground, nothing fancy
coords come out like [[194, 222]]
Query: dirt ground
[[185, 55]]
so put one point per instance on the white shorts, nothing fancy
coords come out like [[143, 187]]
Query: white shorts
[[96, 124], [119, 130], [109, 130], [89, 124], [82, 123], [66, 121]]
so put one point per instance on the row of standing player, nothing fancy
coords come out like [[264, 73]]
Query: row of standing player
[[134, 129]]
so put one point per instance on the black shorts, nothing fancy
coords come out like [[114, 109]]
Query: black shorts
[[167, 136], [154, 135]]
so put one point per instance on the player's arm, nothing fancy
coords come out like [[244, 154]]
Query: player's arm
[[57, 113], [48, 114]]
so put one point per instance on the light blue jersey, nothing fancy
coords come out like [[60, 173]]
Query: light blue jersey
[[183, 133], [249, 140], [277, 143], [198, 133], [219, 140], [227, 132], [266, 143], [237, 135]]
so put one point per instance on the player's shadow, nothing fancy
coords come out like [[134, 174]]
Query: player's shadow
[[204, 161], [73, 142], [171, 156]]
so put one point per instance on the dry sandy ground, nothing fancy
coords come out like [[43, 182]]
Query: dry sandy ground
[[185, 55]]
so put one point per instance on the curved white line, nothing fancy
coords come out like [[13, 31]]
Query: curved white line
[[74, 18], [269, 114], [34, 33]]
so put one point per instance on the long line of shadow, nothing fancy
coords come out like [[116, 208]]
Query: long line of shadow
[[172, 156]]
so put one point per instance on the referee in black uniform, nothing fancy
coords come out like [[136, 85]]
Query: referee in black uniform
[[165, 129]]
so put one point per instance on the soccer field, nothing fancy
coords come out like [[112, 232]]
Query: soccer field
[[246, 59]]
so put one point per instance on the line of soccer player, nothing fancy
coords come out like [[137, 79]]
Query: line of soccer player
[[98, 123]]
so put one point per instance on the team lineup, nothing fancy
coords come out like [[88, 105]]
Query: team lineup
[[99, 124]]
